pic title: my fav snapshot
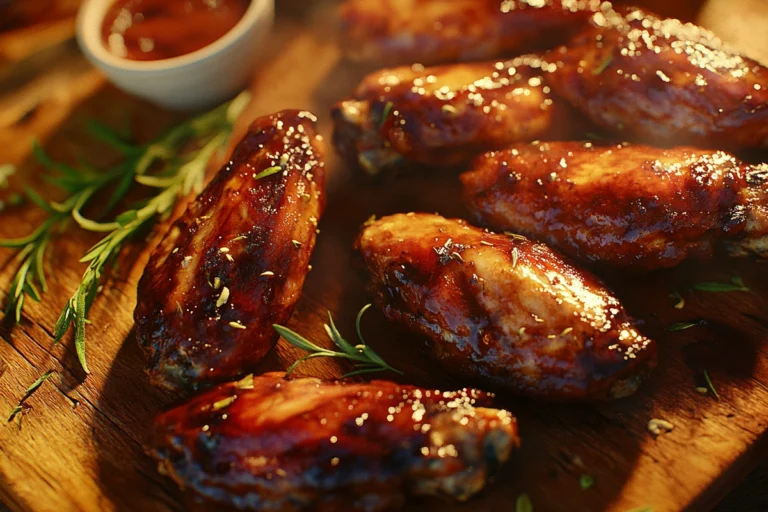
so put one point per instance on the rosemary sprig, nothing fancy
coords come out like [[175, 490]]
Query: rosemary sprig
[[19, 409], [176, 177], [179, 183], [81, 185], [364, 358]]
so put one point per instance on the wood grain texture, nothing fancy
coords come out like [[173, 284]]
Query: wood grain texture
[[91, 457]]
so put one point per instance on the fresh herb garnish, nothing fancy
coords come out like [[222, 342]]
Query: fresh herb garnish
[[603, 65], [269, 171], [523, 504], [710, 385], [182, 180], [174, 178], [385, 114], [681, 326], [679, 300], [735, 285], [19, 409], [364, 358], [644, 508], [586, 481], [449, 110]]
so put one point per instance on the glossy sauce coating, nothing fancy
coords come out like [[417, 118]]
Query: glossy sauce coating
[[443, 115], [664, 81], [622, 205], [392, 32], [234, 263], [266, 443], [163, 29], [503, 311]]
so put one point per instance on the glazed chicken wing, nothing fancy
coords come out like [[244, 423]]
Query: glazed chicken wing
[[391, 32], [234, 263], [441, 116], [270, 444], [623, 205], [503, 311], [664, 81]]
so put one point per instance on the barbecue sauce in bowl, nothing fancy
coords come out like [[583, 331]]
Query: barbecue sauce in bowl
[[164, 29]]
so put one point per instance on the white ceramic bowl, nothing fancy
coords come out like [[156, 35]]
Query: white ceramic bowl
[[193, 81]]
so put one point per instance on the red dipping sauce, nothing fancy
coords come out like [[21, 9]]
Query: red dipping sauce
[[164, 29]]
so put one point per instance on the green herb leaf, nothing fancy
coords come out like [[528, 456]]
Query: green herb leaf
[[363, 357], [679, 300], [385, 113], [603, 65], [175, 177], [523, 504], [30, 391], [127, 217], [269, 171], [586, 482], [710, 385], [681, 326], [644, 508], [736, 285]]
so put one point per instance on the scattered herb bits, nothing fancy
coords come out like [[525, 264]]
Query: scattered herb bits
[[736, 284], [682, 326], [586, 482], [710, 385], [523, 504]]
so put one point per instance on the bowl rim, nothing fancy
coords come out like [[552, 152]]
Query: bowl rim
[[91, 17]]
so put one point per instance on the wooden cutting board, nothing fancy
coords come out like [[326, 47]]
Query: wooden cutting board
[[91, 458]]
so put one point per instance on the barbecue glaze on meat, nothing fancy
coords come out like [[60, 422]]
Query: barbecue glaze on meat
[[622, 205], [392, 32], [503, 311], [234, 263], [265, 443], [443, 115], [662, 80]]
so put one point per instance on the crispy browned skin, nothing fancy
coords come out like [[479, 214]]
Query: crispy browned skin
[[504, 311], [392, 32], [443, 115], [309, 445], [622, 205], [664, 81], [234, 263]]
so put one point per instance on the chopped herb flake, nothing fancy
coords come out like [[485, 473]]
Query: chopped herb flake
[[710, 385], [586, 482], [736, 285], [269, 171], [523, 504], [603, 65], [681, 326]]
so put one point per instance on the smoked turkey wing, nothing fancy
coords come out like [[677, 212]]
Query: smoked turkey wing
[[443, 115], [265, 443], [392, 32], [622, 205], [503, 311], [234, 263], [664, 81]]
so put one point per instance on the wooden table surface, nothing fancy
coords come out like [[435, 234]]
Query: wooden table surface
[[91, 458]]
